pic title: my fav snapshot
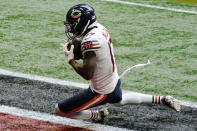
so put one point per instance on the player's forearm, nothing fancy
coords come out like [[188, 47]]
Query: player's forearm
[[82, 70]]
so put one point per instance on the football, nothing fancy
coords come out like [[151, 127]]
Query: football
[[77, 48]]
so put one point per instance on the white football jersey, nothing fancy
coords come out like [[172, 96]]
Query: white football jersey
[[105, 75]]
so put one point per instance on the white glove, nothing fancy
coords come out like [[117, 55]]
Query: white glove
[[68, 53]]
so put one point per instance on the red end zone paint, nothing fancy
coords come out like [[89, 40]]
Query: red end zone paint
[[11, 122]]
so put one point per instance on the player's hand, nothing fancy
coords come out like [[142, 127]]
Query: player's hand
[[67, 52]]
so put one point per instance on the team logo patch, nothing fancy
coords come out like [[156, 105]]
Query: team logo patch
[[76, 13]]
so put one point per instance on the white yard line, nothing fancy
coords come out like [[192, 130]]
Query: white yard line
[[153, 6], [57, 119], [68, 83]]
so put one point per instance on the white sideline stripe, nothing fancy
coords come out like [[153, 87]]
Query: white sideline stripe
[[57, 119], [68, 83], [44, 79], [153, 6]]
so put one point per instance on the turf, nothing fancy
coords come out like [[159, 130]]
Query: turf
[[31, 32], [42, 97]]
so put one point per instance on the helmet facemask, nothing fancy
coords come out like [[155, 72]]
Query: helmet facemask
[[70, 29]]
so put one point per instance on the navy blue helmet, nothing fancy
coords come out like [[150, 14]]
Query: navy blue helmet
[[78, 18]]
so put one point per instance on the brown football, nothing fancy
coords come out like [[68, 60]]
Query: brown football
[[77, 48]]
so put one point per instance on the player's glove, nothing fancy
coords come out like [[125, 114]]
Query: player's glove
[[68, 51]]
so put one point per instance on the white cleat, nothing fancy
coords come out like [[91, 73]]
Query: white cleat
[[102, 113], [173, 103]]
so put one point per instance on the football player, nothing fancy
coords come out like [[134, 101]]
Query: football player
[[99, 66]]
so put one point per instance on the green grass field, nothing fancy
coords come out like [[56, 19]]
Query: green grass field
[[31, 32]]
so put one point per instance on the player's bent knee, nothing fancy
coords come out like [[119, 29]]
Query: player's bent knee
[[58, 112], [57, 109]]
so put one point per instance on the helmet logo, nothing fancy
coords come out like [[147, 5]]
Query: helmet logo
[[76, 13]]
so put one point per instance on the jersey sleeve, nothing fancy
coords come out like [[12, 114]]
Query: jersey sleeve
[[90, 44]]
